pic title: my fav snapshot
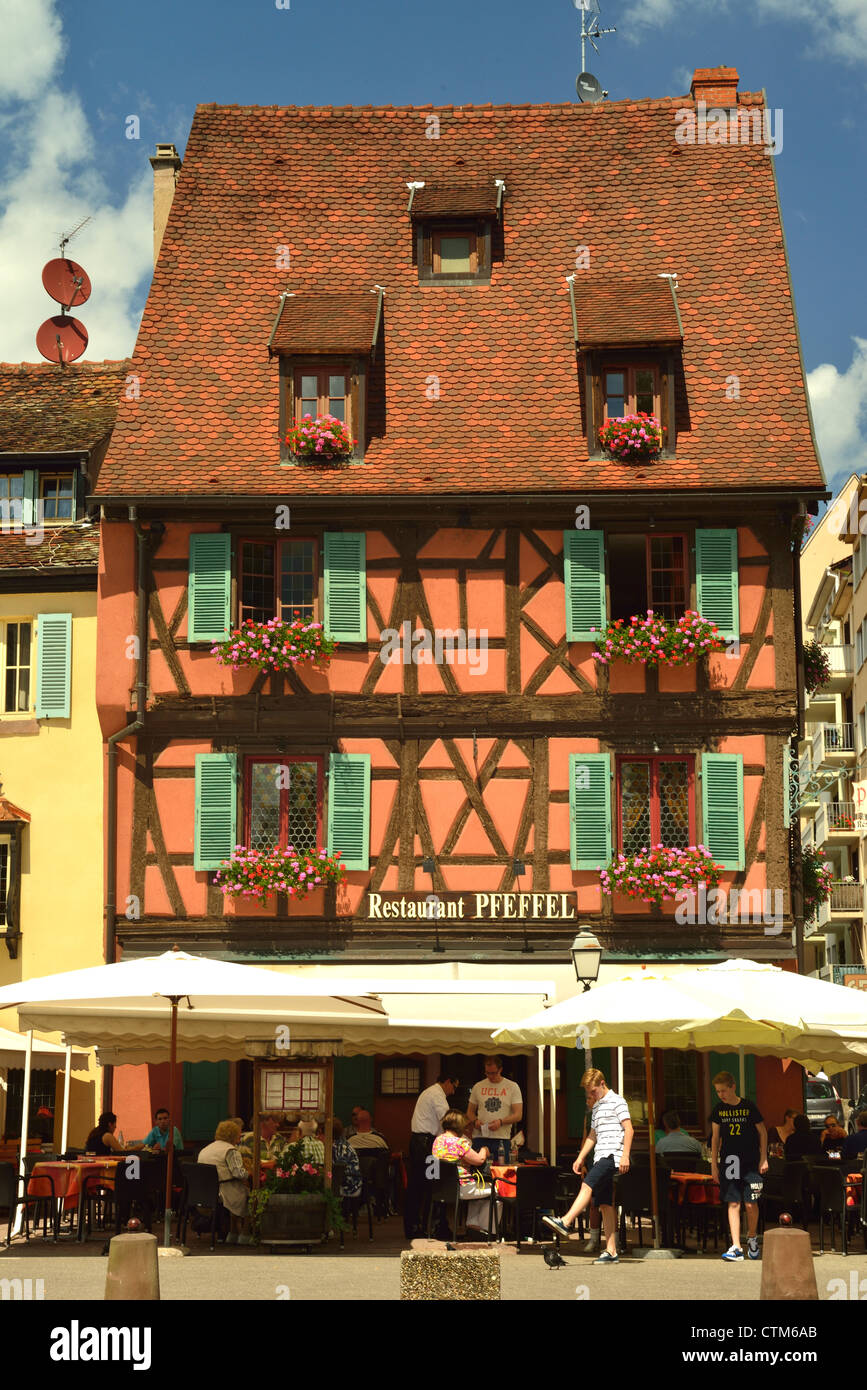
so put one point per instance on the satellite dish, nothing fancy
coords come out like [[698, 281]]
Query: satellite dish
[[588, 87], [67, 282], [61, 339]]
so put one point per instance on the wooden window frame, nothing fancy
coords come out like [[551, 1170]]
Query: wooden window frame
[[322, 370], [395, 1063], [655, 759], [599, 361], [648, 536], [281, 759], [30, 712], [53, 477], [356, 368], [668, 535], [268, 539], [428, 233]]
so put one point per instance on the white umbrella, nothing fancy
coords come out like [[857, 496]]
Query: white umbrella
[[79, 1002]]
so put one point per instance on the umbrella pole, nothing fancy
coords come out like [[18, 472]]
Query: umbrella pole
[[552, 1118], [25, 1115], [170, 1142], [64, 1131], [651, 1120]]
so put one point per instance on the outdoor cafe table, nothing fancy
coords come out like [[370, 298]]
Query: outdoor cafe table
[[69, 1179]]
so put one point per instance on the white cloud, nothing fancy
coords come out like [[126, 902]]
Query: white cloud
[[33, 43], [838, 29], [49, 181], [839, 404]]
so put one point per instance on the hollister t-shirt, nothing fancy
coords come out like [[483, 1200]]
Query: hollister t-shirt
[[493, 1100], [739, 1135]]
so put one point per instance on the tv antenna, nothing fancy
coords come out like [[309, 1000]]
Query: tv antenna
[[65, 239], [586, 85]]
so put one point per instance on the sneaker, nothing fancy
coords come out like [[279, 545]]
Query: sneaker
[[733, 1253], [557, 1225], [592, 1244], [232, 1238], [753, 1248], [607, 1259]]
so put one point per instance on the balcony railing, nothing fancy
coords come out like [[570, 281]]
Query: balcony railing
[[830, 740], [847, 897], [841, 659], [841, 815]]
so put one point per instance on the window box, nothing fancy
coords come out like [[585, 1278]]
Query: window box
[[656, 641], [323, 439], [253, 873], [653, 875], [276, 645], [631, 438]]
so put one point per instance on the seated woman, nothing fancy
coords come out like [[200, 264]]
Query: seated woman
[[802, 1141], [225, 1156], [453, 1146], [343, 1152], [102, 1141]]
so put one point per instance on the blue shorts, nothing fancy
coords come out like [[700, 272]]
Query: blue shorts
[[600, 1180], [745, 1189]]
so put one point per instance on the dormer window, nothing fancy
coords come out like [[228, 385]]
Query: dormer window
[[630, 390], [58, 496], [324, 391], [457, 231]]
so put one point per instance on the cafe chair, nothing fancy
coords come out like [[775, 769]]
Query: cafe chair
[[374, 1166], [633, 1197], [141, 1193], [863, 1212], [97, 1197], [201, 1189], [14, 1195], [535, 1195], [831, 1193], [445, 1192]]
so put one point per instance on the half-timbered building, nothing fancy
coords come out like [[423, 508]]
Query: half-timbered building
[[473, 291]]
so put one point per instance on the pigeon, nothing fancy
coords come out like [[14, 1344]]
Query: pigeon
[[553, 1259], [449, 1246]]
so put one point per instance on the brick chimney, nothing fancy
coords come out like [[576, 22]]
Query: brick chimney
[[714, 86], [166, 165]]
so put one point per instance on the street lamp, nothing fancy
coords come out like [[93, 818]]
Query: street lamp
[[586, 954]]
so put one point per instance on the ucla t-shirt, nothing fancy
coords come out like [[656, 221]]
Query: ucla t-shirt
[[739, 1135], [493, 1100]]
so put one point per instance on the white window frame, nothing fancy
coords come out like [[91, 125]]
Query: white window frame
[[4, 624]]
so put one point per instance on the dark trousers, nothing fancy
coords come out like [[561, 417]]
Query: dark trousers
[[417, 1200]]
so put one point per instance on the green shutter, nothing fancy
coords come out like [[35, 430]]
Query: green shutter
[[716, 580], [210, 589], [584, 576], [722, 802], [216, 802], [345, 586], [30, 508], [53, 665], [590, 810], [349, 809]]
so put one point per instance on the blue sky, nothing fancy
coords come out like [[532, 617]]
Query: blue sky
[[79, 68]]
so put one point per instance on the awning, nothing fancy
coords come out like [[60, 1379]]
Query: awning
[[46, 1056], [482, 199], [614, 313], [331, 323]]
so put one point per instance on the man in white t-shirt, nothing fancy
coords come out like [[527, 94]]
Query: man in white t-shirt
[[495, 1105], [611, 1133]]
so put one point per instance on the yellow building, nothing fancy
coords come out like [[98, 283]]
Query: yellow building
[[55, 423]]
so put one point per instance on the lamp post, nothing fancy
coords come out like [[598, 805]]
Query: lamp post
[[586, 954]]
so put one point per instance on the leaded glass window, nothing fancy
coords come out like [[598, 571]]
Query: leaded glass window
[[284, 803], [655, 804]]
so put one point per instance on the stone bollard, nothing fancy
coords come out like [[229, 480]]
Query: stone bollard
[[438, 1276], [133, 1271], [787, 1265]]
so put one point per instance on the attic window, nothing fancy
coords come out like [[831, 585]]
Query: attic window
[[457, 231]]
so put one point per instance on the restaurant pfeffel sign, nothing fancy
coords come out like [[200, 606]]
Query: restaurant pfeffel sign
[[471, 907]]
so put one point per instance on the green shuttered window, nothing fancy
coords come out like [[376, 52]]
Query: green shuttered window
[[590, 810], [349, 808], [716, 580], [210, 589], [345, 586], [584, 575], [722, 802], [216, 805], [54, 665]]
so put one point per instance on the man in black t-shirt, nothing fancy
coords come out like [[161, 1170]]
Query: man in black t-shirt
[[739, 1156]]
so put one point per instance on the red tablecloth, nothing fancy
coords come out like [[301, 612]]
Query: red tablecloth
[[506, 1176], [695, 1188], [69, 1178]]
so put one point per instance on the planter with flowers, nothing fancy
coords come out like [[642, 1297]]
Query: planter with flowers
[[657, 641], [632, 438], [293, 1205], [323, 440], [276, 645], [817, 876], [655, 874], [817, 667], [256, 873]]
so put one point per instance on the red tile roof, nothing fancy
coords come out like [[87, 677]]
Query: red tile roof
[[327, 322], [331, 184], [46, 408], [440, 200], [614, 312], [66, 547]]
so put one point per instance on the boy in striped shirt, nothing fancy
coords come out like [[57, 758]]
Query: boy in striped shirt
[[611, 1134]]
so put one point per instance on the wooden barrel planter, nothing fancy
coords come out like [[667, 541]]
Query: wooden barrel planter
[[294, 1218]]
